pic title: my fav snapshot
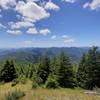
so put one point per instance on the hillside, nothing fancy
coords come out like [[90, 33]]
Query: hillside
[[31, 55]]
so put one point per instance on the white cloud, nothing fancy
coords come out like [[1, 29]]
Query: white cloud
[[65, 36], [44, 31], [51, 6], [94, 5], [32, 11], [86, 5], [27, 19], [53, 37], [6, 4], [14, 32], [32, 31], [2, 26], [28, 12], [35, 31], [21, 24], [32, 0], [67, 39], [70, 1]]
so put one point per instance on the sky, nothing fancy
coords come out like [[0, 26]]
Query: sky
[[49, 23]]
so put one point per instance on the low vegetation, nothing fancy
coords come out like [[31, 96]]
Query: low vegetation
[[46, 94], [15, 95]]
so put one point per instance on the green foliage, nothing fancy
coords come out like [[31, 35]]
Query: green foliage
[[8, 72], [34, 85], [22, 79], [37, 79], [2, 83], [56, 72], [52, 82], [66, 74], [54, 66], [14, 82], [81, 71], [31, 70], [96, 89], [15, 95], [89, 70], [44, 68]]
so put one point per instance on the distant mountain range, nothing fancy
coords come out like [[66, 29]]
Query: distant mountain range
[[31, 55]]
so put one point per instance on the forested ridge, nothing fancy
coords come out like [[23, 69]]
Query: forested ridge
[[56, 72], [23, 56]]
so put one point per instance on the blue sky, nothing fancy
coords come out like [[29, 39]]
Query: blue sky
[[49, 23]]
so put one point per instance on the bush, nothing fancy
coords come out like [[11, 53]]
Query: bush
[[15, 95], [14, 83], [35, 85], [96, 89], [51, 83], [36, 79], [22, 79], [2, 83]]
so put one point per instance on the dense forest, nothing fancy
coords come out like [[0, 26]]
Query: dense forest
[[56, 72]]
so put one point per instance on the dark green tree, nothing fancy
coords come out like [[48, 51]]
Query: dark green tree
[[81, 71], [8, 72], [52, 82], [44, 68], [29, 71], [66, 75], [54, 66], [90, 70]]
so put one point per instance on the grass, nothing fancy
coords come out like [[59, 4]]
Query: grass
[[46, 94]]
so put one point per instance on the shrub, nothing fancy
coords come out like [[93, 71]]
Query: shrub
[[2, 83], [34, 85], [96, 89], [36, 79], [15, 95], [14, 83], [51, 82], [22, 79]]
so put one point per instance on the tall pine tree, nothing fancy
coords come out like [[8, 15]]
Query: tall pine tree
[[81, 71], [8, 72], [90, 70], [44, 68], [66, 73]]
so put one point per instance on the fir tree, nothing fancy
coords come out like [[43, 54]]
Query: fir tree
[[91, 70], [81, 71], [8, 73], [44, 68], [66, 73]]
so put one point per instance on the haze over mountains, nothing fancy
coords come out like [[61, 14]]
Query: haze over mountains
[[31, 55]]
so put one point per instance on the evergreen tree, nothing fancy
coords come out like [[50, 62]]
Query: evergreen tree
[[8, 73], [90, 70], [54, 66], [66, 73], [44, 68], [31, 70], [81, 71]]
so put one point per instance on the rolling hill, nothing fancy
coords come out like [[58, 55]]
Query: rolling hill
[[31, 55]]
